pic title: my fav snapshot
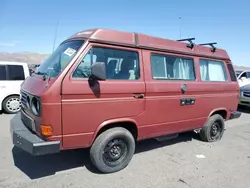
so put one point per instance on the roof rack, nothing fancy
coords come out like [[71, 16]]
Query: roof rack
[[190, 40], [210, 44]]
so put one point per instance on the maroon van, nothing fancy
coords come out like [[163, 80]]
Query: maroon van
[[107, 89]]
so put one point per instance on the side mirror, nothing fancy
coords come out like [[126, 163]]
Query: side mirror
[[98, 71]]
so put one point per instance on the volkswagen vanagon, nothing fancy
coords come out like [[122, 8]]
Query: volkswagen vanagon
[[105, 90]]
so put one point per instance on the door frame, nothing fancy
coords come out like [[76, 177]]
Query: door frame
[[66, 98]]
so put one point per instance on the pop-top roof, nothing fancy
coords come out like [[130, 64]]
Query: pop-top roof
[[151, 42]]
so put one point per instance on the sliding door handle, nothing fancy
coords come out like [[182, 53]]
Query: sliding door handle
[[138, 96], [183, 88]]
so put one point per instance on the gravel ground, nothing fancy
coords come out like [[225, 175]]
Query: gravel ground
[[156, 164]]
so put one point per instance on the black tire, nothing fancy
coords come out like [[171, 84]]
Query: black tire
[[125, 145], [213, 129], [6, 104]]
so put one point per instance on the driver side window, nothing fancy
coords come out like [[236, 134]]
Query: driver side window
[[120, 64], [84, 68]]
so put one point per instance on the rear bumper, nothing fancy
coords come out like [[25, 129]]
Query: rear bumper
[[235, 115], [24, 139]]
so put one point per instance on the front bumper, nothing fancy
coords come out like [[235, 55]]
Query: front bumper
[[244, 101], [244, 98], [23, 138]]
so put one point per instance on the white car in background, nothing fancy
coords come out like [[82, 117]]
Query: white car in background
[[243, 77], [12, 74]]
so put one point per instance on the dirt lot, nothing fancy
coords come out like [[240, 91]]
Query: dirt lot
[[166, 164]]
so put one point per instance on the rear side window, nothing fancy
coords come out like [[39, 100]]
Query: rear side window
[[232, 72], [15, 72], [168, 67], [2, 72], [212, 70]]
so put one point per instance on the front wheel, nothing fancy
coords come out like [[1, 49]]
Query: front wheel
[[112, 150]]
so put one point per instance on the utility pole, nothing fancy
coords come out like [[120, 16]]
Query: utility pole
[[55, 36], [180, 19]]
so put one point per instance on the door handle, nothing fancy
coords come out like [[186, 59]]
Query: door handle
[[138, 96], [183, 88]]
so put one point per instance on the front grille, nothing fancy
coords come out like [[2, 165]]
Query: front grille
[[27, 121], [246, 94], [24, 98]]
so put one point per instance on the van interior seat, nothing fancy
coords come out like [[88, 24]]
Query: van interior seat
[[110, 70], [127, 67]]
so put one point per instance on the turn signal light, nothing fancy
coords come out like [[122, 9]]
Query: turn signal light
[[46, 130]]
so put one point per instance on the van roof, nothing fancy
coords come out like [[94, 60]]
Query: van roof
[[11, 63], [144, 41]]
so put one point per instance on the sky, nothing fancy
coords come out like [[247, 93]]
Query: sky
[[30, 25]]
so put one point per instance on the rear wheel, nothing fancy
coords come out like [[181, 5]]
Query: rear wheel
[[12, 104], [213, 129], [112, 150]]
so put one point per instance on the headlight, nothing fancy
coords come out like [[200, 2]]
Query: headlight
[[35, 106]]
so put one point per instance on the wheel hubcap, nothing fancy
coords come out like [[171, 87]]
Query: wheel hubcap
[[114, 152], [13, 104], [215, 131]]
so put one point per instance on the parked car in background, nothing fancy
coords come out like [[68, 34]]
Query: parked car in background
[[31, 71], [33, 67], [243, 77], [244, 99], [107, 89], [12, 74]]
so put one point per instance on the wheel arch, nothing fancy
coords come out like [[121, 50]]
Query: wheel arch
[[221, 111], [127, 123]]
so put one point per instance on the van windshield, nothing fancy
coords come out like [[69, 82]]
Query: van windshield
[[59, 59]]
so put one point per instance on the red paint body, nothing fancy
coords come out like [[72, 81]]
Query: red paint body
[[76, 114]]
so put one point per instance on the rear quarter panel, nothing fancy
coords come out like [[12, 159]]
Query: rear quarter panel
[[160, 119]]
